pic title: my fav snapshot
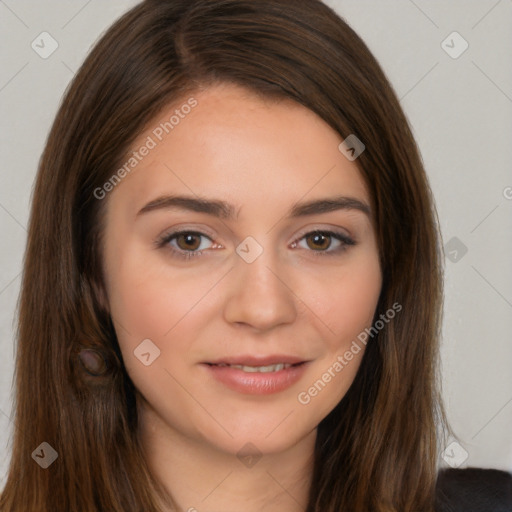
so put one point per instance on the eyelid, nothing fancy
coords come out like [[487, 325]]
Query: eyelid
[[164, 238], [341, 232], [187, 228], [163, 242], [335, 232], [344, 241]]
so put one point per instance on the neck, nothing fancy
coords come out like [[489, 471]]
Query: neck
[[202, 478]]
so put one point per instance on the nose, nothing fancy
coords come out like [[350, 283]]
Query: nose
[[260, 295]]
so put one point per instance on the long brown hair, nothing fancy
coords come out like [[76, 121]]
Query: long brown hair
[[377, 449]]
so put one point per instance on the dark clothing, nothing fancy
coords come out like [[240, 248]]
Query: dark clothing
[[474, 490]]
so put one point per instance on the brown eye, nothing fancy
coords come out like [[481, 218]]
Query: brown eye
[[186, 244], [188, 241], [318, 241], [325, 243]]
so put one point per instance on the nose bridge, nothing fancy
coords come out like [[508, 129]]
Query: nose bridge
[[254, 260], [257, 294], [258, 276]]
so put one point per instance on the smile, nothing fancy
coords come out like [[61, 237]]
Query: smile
[[254, 379], [258, 369]]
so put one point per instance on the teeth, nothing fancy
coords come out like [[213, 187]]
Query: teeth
[[261, 369]]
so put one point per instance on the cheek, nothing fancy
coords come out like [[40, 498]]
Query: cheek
[[149, 299], [345, 300], [346, 304]]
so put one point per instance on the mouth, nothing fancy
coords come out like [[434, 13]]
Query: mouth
[[256, 375], [271, 368]]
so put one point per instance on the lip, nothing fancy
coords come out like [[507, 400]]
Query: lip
[[255, 360], [257, 383]]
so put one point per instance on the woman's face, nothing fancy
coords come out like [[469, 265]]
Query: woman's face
[[240, 267]]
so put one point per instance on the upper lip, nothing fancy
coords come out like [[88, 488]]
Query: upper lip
[[258, 360]]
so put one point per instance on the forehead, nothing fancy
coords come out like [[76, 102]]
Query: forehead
[[236, 145]]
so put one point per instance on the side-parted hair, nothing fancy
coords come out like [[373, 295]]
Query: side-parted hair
[[377, 450]]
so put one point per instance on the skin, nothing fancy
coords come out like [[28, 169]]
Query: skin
[[261, 156]]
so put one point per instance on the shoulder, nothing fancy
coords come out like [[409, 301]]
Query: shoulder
[[474, 490]]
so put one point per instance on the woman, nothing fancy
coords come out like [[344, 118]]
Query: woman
[[232, 285]]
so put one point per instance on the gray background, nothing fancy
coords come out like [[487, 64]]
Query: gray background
[[461, 113]]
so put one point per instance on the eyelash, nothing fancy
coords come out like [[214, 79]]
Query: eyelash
[[163, 242]]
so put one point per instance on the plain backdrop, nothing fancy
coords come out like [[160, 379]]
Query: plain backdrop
[[459, 103]]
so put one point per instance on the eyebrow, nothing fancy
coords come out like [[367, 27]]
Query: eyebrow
[[223, 210]]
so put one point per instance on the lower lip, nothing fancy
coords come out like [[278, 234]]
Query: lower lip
[[257, 383]]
